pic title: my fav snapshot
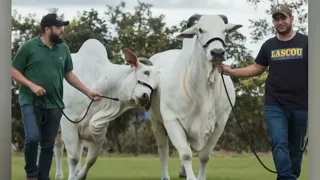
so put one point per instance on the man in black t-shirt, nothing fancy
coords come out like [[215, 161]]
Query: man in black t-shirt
[[286, 95]]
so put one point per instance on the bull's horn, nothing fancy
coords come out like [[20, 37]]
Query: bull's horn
[[191, 21]]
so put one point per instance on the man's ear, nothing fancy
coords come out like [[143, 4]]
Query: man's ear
[[187, 33], [232, 27]]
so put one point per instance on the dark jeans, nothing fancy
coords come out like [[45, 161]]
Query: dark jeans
[[43, 133], [287, 129]]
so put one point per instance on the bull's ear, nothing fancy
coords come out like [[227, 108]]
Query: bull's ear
[[131, 58], [232, 27], [187, 33]]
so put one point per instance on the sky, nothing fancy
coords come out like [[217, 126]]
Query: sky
[[238, 11]]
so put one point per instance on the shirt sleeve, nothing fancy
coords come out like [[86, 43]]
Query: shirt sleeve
[[262, 57], [20, 59], [68, 63]]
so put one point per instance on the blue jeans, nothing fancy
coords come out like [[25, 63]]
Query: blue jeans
[[287, 128], [44, 131]]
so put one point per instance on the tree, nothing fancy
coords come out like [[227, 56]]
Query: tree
[[140, 31]]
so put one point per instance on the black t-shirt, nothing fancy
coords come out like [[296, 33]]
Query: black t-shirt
[[287, 82]]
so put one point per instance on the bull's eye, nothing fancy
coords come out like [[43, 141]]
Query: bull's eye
[[146, 73], [200, 30]]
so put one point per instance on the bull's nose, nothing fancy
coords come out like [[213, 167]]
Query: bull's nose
[[217, 52], [145, 96]]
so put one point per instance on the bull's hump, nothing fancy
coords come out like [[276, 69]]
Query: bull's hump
[[95, 49]]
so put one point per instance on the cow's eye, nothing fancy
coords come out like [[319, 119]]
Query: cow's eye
[[147, 73]]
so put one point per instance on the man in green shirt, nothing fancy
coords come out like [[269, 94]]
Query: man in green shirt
[[40, 66]]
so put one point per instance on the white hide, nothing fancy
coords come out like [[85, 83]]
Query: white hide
[[192, 111], [93, 68]]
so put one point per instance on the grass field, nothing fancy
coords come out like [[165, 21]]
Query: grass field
[[148, 168]]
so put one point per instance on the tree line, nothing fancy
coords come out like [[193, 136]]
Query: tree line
[[146, 35]]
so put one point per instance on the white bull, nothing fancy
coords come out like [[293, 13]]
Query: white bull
[[190, 105], [133, 84]]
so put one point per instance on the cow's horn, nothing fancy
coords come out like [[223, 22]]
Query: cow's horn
[[224, 18]]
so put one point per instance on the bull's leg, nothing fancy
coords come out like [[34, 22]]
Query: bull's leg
[[163, 146], [179, 140], [58, 153], [73, 147], [205, 153], [93, 153]]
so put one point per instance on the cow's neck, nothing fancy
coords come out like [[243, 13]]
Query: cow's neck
[[126, 83], [194, 72], [116, 82]]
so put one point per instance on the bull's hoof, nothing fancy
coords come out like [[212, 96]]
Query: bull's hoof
[[59, 176]]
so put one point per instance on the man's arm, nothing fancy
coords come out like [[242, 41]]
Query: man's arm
[[249, 71], [18, 65], [74, 81], [70, 77], [260, 65], [20, 78]]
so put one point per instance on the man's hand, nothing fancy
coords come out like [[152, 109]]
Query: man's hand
[[94, 95], [38, 90], [224, 69]]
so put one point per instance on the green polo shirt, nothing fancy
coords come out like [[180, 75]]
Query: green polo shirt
[[45, 67]]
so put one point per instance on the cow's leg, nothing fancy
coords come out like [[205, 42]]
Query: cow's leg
[[94, 149], [182, 172], [58, 152], [78, 167], [97, 129], [163, 146], [73, 147], [205, 153], [179, 140]]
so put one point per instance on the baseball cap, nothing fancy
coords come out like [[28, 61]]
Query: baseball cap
[[282, 9], [52, 19]]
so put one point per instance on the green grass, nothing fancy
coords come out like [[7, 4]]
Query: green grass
[[148, 168]]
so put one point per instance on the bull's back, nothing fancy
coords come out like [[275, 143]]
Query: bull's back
[[165, 59]]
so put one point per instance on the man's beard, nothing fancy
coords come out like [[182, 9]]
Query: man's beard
[[54, 38], [284, 32]]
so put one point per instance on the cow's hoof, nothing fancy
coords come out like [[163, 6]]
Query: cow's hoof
[[182, 175], [165, 178], [59, 176]]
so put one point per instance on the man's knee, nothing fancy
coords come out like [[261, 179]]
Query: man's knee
[[32, 138], [47, 145], [283, 145]]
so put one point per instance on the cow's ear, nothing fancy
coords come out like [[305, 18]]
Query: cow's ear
[[131, 58], [232, 27]]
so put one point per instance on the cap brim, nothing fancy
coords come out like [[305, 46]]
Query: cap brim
[[63, 23]]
